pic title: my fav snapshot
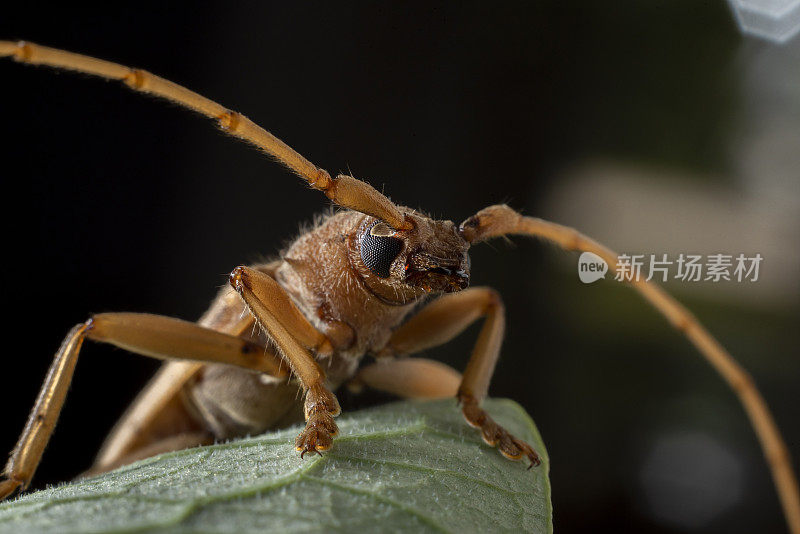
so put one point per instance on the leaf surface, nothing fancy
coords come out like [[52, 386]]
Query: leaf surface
[[404, 467]]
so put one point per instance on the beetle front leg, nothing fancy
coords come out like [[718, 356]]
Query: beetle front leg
[[320, 408], [282, 321], [442, 320], [475, 385]]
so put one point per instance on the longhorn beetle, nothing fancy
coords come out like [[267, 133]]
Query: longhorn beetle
[[348, 287]]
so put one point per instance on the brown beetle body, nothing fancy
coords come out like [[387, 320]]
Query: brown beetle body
[[323, 273], [342, 290]]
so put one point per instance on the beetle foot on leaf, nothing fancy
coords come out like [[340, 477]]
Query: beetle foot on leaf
[[8, 486], [318, 434], [495, 435], [321, 407]]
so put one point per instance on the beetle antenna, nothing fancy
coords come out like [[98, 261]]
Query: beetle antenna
[[500, 220], [343, 190]]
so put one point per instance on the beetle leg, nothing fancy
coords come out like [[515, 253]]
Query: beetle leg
[[185, 440], [149, 335], [416, 378], [441, 321], [42, 420], [283, 322]]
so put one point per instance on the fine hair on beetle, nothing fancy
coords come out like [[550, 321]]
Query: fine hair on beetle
[[373, 280]]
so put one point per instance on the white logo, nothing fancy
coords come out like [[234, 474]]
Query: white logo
[[591, 267]]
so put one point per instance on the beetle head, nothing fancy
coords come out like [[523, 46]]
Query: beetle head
[[403, 265]]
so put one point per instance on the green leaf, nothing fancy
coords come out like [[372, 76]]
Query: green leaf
[[408, 466]]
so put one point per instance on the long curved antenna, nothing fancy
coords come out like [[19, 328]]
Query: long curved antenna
[[501, 220], [344, 190]]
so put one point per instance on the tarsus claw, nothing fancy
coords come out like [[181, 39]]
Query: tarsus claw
[[494, 434]]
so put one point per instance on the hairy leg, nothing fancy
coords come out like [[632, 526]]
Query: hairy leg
[[280, 319], [415, 378], [442, 320], [150, 335]]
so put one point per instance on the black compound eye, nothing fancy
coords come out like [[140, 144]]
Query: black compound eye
[[379, 249]]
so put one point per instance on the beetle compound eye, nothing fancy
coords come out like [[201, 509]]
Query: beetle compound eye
[[379, 249]]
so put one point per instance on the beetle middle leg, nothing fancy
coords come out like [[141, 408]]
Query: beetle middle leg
[[283, 322], [414, 378], [177, 442], [150, 335], [441, 321]]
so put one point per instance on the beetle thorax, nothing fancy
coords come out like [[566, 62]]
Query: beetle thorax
[[318, 275], [357, 296]]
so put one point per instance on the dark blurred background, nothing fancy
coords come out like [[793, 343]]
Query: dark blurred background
[[655, 127]]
